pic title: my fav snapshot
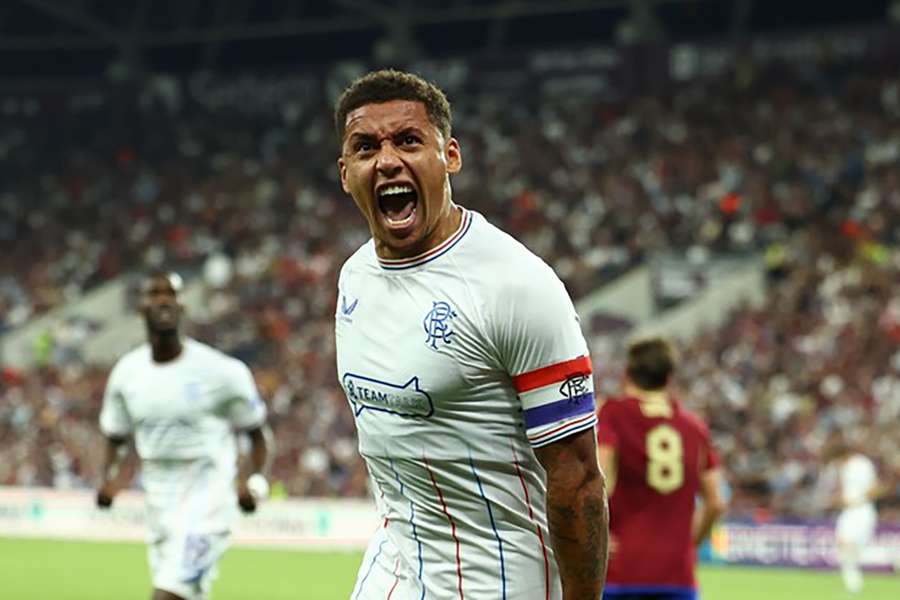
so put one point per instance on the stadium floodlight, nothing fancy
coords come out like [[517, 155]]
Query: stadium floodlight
[[641, 25]]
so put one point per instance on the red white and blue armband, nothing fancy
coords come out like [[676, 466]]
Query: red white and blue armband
[[557, 400]]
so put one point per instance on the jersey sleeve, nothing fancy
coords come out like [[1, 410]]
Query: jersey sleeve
[[245, 408], [115, 420], [606, 430], [712, 457], [861, 476], [538, 336]]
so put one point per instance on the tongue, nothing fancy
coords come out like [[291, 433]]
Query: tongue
[[398, 207]]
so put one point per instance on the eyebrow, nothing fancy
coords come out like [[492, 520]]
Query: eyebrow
[[408, 130], [366, 137], [360, 136], [153, 289]]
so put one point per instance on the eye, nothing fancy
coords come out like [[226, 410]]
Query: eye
[[363, 146], [410, 140]]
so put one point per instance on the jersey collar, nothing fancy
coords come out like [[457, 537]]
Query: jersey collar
[[401, 264]]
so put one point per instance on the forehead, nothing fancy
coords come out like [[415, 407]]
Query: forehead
[[387, 117], [159, 283]]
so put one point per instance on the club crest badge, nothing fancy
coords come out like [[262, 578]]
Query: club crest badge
[[438, 324], [575, 388]]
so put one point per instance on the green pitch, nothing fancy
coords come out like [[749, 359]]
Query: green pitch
[[44, 570]]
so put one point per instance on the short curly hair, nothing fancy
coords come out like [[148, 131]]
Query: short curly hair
[[386, 85]]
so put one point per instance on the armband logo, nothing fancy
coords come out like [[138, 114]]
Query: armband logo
[[575, 388]]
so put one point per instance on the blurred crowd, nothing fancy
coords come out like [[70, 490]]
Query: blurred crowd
[[237, 184]]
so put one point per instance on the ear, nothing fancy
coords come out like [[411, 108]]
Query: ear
[[453, 155], [342, 169]]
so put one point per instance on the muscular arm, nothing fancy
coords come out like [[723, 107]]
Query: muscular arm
[[113, 457], [260, 440], [876, 491], [606, 456], [713, 505], [255, 462], [577, 514]]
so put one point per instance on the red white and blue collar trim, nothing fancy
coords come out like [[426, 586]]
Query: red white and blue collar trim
[[400, 264]]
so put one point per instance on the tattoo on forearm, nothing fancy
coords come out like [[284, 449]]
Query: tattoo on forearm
[[579, 530], [597, 522]]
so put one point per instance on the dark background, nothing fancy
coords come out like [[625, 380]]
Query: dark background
[[42, 39]]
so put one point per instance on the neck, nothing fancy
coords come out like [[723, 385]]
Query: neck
[[166, 345], [448, 223], [451, 218], [648, 396], [653, 403]]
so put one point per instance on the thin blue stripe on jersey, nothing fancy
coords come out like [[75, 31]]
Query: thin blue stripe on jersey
[[493, 525], [419, 263], [412, 521], [559, 410], [566, 432], [362, 583]]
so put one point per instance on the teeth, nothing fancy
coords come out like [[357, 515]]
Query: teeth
[[402, 222], [396, 189]]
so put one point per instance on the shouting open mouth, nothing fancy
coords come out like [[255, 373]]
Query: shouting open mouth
[[398, 203]]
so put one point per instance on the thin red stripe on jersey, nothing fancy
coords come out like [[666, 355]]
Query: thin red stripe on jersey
[[396, 580], [575, 423], [459, 575], [536, 526], [552, 374], [398, 262], [381, 489]]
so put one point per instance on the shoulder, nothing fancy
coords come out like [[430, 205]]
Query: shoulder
[[508, 268], [693, 421], [687, 415], [612, 405], [131, 361], [508, 255], [860, 462], [691, 417], [363, 258], [213, 358]]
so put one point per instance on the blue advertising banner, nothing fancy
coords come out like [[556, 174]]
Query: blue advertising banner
[[796, 544]]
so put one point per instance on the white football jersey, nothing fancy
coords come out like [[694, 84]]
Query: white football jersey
[[456, 363], [858, 477], [183, 415]]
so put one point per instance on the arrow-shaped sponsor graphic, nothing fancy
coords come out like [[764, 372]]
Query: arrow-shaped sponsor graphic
[[406, 400]]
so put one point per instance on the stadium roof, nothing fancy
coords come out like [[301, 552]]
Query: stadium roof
[[49, 38]]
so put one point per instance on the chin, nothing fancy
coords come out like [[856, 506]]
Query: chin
[[404, 244]]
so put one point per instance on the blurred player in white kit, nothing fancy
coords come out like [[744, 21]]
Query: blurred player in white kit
[[464, 364], [855, 528], [184, 402]]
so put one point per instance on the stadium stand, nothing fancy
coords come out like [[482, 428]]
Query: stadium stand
[[234, 182]]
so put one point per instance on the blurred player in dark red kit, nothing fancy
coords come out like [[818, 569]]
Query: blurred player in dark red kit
[[657, 457]]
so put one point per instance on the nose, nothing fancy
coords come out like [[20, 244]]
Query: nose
[[163, 300], [388, 161]]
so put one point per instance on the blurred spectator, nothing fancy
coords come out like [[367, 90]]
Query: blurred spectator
[[238, 181]]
